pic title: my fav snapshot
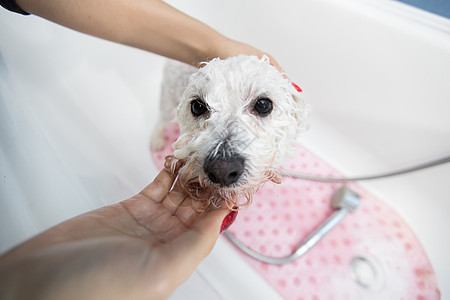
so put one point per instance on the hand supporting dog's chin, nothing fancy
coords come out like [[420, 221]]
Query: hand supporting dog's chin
[[211, 196]]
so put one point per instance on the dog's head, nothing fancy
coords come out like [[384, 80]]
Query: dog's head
[[239, 119]]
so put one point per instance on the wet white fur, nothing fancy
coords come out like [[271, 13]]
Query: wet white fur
[[230, 88]]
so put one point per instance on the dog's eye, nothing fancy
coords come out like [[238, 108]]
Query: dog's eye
[[198, 107], [263, 107]]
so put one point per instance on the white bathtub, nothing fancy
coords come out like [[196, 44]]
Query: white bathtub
[[76, 113]]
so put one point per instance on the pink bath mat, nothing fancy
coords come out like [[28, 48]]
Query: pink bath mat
[[371, 254]]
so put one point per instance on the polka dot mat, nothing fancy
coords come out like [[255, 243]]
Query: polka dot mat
[[371, 254]]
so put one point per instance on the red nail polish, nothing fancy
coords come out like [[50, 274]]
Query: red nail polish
[[297, 87], [228, 220]]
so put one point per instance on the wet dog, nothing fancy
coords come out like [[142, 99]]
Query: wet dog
[[239, 119]]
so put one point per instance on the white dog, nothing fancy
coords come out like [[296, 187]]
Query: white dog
[[239, 119]]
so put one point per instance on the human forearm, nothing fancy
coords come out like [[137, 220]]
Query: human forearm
[[150, 25]]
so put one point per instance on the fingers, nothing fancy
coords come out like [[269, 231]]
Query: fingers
[[158, 189], [186, 212], [185, 253], [274, 63], [229, 47], [174, 198], [173, 201], [181, 206]]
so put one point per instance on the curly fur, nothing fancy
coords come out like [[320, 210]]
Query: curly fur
[[230, 88]]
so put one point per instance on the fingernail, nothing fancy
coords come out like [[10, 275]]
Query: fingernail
[[228, 220], [296, 87]]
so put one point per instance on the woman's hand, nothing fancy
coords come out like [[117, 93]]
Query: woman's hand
[[227, 48], [140, 248]]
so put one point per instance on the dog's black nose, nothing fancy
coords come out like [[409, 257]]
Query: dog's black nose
[[224, 171]]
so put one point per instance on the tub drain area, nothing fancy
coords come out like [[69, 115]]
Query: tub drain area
[[367, 273]]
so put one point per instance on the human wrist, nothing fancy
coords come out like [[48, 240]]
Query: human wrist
[[214, 45], [224, 47]]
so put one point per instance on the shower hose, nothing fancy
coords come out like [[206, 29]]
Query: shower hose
[[415, 168], [348, 201]]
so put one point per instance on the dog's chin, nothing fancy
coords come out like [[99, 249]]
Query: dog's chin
[[208, 195]]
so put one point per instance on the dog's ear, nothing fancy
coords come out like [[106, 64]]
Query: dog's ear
[[301, 108]]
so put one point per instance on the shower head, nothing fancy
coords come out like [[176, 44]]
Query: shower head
[[345, 198], [343, 201]]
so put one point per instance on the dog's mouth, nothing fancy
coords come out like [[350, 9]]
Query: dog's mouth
[[208, 194]]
